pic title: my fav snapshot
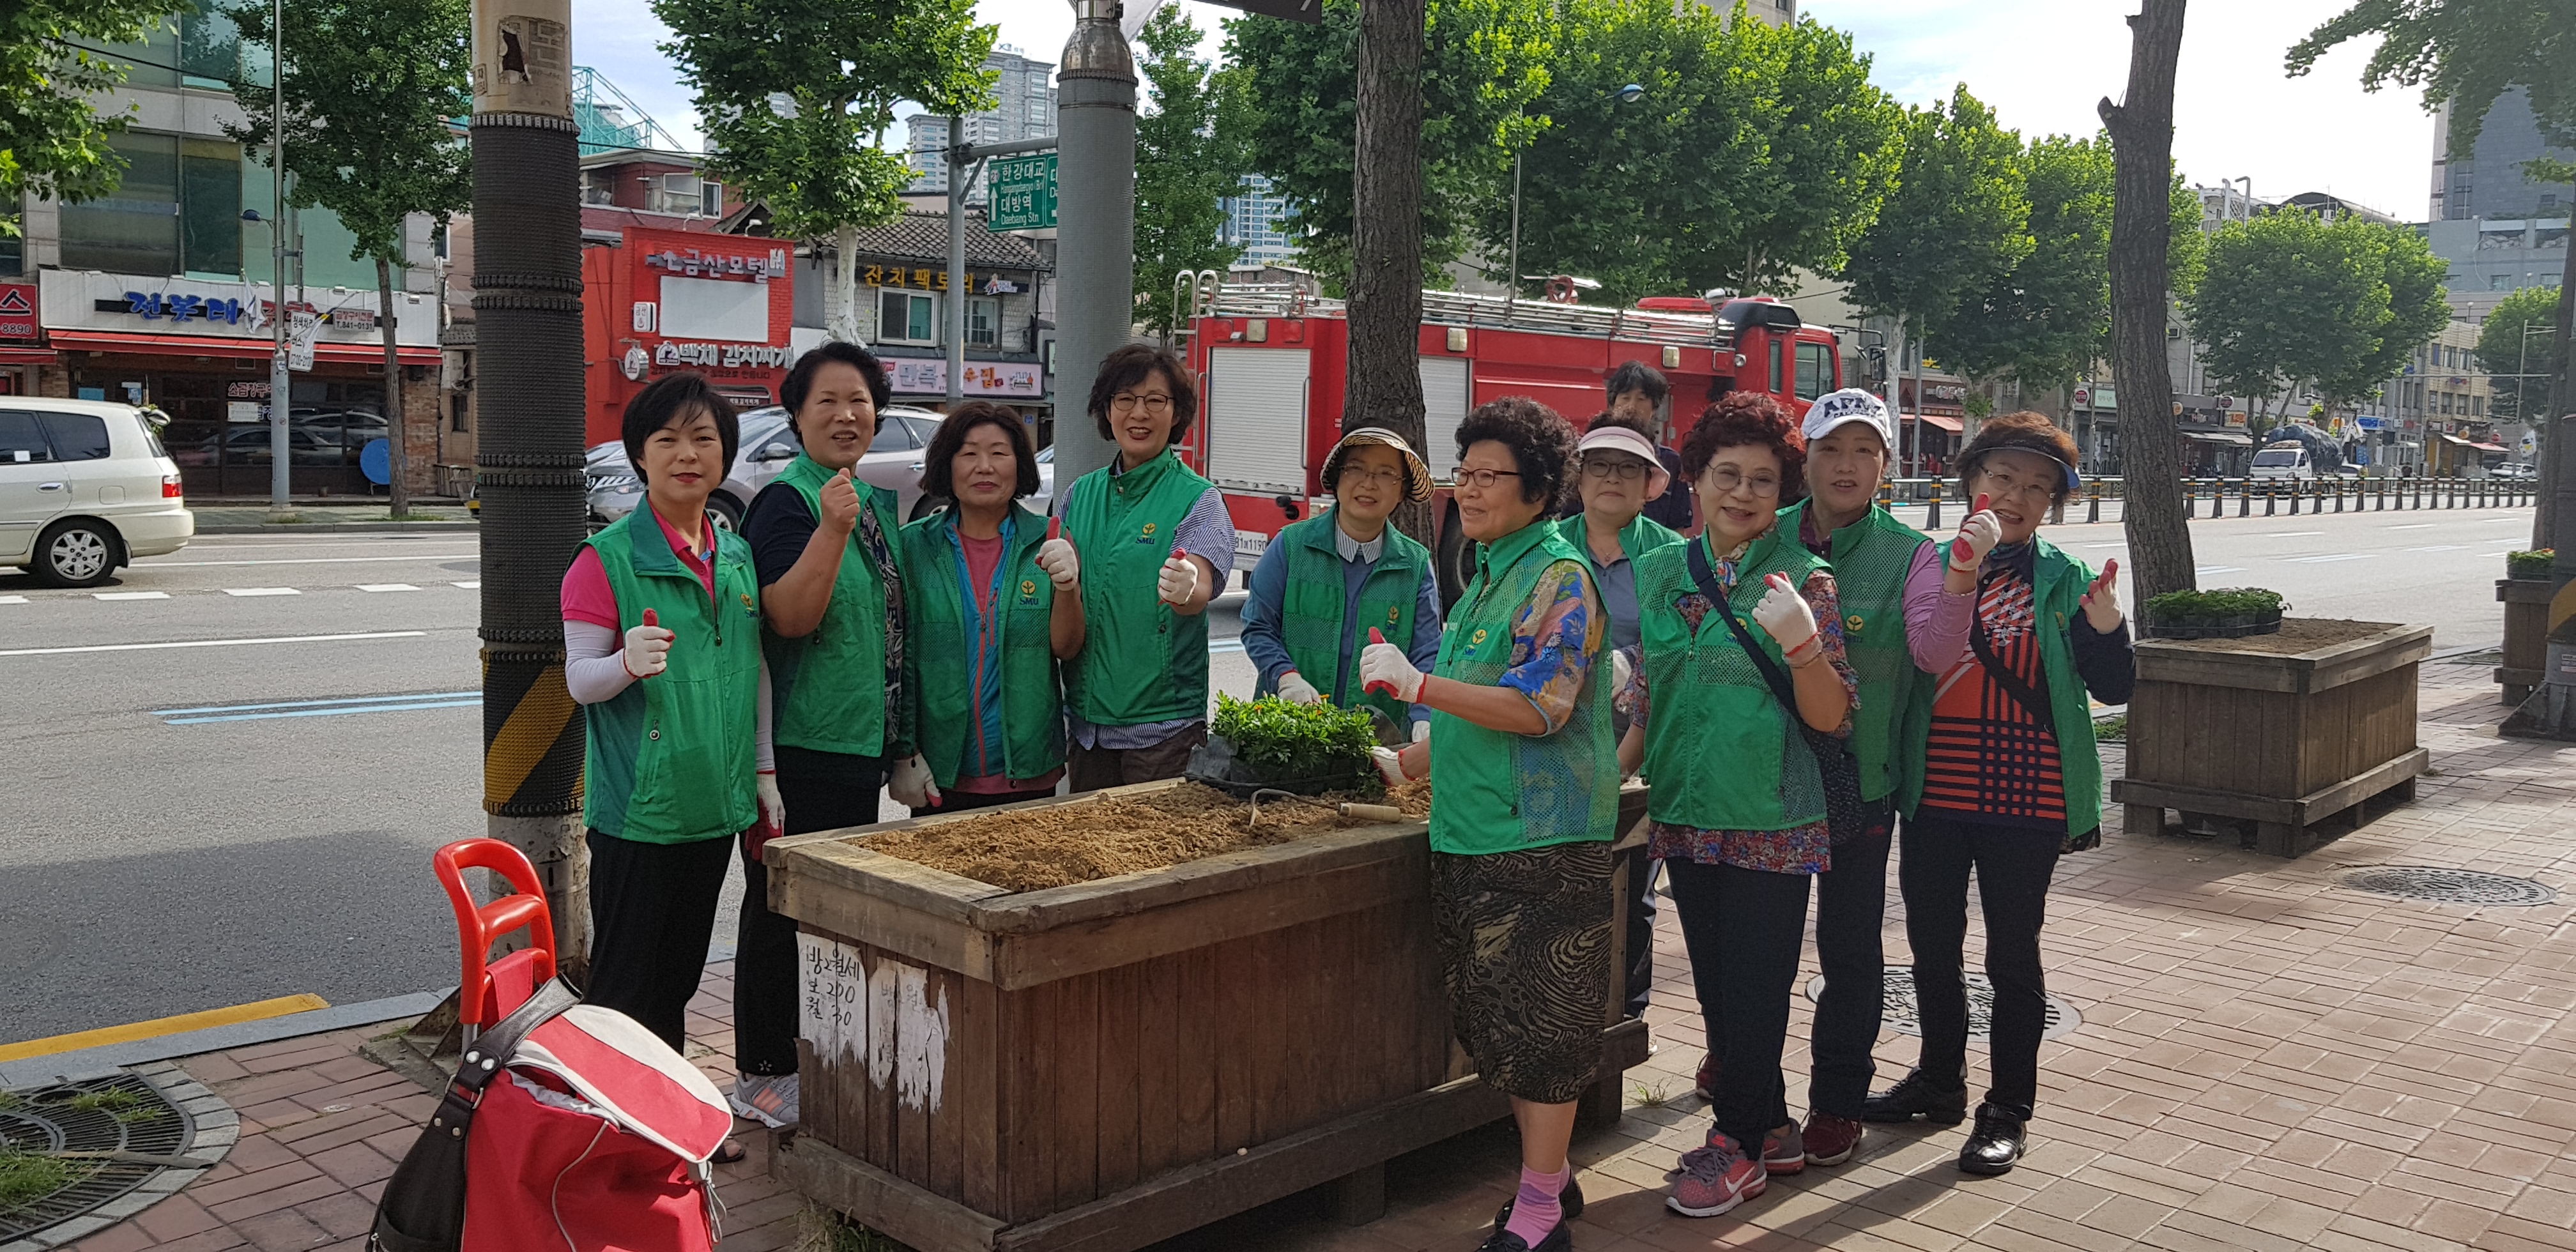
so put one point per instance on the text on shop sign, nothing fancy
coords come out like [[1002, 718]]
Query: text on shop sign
[[728, 355]]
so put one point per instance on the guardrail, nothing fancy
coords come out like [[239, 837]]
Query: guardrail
[[2274, 496]]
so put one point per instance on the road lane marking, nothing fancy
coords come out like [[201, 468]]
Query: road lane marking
[[338, 708], [257, 1010], [216, 643], [2331, 556], [129, 595], [2220, 569], [312, 560], [2107, 545], [476, 585], [2413, 526], [262, 591], [13, 599], [2440, 547], [2293, 534], [299, 704], [387, 587]]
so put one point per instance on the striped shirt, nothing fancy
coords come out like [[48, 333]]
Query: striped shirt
[[1988, 755]]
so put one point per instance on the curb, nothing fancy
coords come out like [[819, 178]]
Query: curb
[[308, 528], [90, 1062]]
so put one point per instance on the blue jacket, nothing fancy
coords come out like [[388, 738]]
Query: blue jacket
[[1269, 650]]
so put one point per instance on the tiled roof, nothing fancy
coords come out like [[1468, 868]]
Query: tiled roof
[[924, 237]]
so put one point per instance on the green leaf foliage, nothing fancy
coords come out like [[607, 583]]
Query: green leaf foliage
[[1483, 62], [2290, 301], [1190, 152], [792, 94], [1287, 742], [2504, 350], [2049, 318], [1755, 151], [1958, 222], [53, 139], [2211, 608], [2532, 564], [370, 87]]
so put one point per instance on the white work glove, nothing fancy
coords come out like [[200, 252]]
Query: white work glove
[[773, 811], [1384, 667], [1294, 689], [648, 648], [912, 786], [1180, 579], [1390, 764], [1622, 672], [1783, 614], [1422, 732], [1978, 536], [1056, 557]]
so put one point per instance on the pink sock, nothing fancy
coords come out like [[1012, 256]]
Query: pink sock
[[1536, 1211]]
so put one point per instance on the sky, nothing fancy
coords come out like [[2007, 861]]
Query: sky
[[2042, 65]]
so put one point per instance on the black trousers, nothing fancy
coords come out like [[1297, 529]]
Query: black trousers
[[1743, 928], [821, 791], [1641, 927], [1851, 906], [652, 908], [2013, 866], [966, 801]]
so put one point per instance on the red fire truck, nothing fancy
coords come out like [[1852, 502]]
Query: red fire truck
[[1271, 363]]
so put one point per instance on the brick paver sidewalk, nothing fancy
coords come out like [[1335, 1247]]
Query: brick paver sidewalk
[[2267, 1061]]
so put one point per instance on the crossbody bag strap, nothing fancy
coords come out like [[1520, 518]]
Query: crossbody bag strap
[[2032, 700], [1772, 675]]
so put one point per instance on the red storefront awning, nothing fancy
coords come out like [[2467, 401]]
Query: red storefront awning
[[1950, 424], [25, 356], [215, 345], [2490, 447]]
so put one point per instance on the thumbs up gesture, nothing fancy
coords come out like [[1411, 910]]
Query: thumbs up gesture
[[2101, 602], [1978, 535], [1783, 614], [1385, 668], [1179, 579], [648, 647], [1056, 556]]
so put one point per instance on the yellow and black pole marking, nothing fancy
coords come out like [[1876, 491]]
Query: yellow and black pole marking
[[532, 738]]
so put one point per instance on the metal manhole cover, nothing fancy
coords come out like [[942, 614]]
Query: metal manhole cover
[[69, 1149], [2449, 886], [1901, 1015]]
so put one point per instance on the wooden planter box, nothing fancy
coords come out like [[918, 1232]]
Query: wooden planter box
[[2280, 740], [1104, 1065], [2526, 635]]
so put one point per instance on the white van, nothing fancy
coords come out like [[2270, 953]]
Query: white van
[[2286, 459], [85, 487]]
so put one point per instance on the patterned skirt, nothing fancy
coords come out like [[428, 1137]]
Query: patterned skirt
[[1525, 954]]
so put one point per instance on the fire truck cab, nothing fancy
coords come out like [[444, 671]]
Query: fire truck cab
[[1271, 364]]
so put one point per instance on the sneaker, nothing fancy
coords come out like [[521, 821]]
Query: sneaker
[[1714, 1179], [1560, 1239], [1705, 1084], [1782, 1151], [769, 1099], [1829, 1140], [1915, 1096], [1570, 1201]]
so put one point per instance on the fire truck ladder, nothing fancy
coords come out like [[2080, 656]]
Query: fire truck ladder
[[1452, 308]]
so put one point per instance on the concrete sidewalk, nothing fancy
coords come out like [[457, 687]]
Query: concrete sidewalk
[[250, 517], [2266, 1060]]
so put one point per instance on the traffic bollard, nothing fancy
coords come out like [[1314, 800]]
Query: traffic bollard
[[1932, 515], [2093, 502], [2245, 497], [2271, 500]]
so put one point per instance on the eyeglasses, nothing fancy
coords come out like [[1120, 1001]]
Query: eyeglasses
[[1127, 402], [1625, 469], [1380, 477], [1996, 483], [1728, 479], [1484, 479]]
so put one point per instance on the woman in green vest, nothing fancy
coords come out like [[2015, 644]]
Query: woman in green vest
[[2017, 636], [661, 618], [1324, 583], [1878, 563], [996, 604], [1525, 796], [1620, 478], [1153, 537], [1737, 625], [831, 597]]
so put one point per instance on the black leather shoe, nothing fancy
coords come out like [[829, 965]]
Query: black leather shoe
[[1915, 1096], [1570, 1199], [1560, 1239], [1995, 1146]]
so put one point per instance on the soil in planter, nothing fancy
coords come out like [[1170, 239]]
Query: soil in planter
[[1060, 844], [2297, 634]]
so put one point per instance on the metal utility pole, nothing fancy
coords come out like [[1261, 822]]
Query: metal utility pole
[[528, 387], [279, 384], [1096, 220]]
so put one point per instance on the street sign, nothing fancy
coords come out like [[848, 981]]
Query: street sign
[[1023, 193]]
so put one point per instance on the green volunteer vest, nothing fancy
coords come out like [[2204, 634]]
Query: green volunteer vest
[[671, 758], [2060, 582], [1719, 748], [1636, 539], [939, 657], [1145, 662], [828, 689], [1312, 613], [1871, 558], [1493, 791]]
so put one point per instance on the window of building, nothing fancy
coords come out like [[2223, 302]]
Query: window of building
[[178, 211], [907, 317], [984, 323]]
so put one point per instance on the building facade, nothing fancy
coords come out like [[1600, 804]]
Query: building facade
[[1256, 220], [1025, 109], [904, 289]]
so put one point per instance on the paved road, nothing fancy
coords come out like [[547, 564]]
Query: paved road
[[232, 766]]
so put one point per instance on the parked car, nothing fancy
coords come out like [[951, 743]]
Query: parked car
[[2286, 459], [85, 487], [768, 443], [2522, 471]]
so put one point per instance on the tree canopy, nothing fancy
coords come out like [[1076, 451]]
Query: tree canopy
[[1190, 152], [2463, 53], [53, 139], [1957, 223], [2291, 301], [2505, 349]]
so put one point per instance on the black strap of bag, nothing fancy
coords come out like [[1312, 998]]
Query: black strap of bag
[[2033, 700], [423, 1209], [1836, 768]]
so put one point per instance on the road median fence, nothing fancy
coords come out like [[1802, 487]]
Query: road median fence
[[2250, 497]]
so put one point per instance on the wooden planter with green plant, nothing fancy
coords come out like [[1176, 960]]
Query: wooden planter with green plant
[[2226, 613], [2281, 731], [2524, 593]]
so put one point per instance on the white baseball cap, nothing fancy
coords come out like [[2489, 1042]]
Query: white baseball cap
[[1613, 438], [1841, 408]]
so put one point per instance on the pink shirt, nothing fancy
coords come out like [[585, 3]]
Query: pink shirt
[[587, 596], [1936, 622]]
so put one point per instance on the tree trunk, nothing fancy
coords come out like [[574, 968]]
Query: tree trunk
[[398, 492], [1384, 387], [2141, 235], [2557, 400], [845, 284]]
